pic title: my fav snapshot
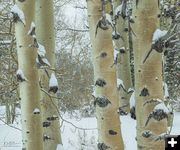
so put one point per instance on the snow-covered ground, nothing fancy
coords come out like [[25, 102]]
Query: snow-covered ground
[[77, 139]]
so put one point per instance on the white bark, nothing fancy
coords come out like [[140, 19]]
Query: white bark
[[148, 75], [102, 53], [123, 61], [44, 21], [29, 89]]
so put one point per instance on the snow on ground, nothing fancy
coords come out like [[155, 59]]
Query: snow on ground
[[128, 126], [76, 139], [176, 124], [10, 138]]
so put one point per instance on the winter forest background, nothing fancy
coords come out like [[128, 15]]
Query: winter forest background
[[91, 73]]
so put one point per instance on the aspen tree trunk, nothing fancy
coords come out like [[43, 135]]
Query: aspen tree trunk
[[46, 36], [8, 112], [106, 98], [123, 60], [147, 75], [165, 23], [29, 89]]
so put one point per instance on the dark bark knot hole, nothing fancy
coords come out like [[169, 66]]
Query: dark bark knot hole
[[46, 137], [52, 118], [126, 29], [158, 115], [46, 124], [101, 101], [112, 132], [116, 36], [133, 113], [53, 89], [36, 113], [100, 82], [122, 50], [144, 92], [146, 134], [102, 55], [102, 146]]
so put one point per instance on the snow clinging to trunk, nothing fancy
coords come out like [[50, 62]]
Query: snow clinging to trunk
[[53, 80], [118, 10], [53, 84], [41, 50], [158, 34], [120, 82], [161, 106], [36, 111], [18, 14], [132, 100], [20, 75], [116, 52], [166, 93], [32, 29]]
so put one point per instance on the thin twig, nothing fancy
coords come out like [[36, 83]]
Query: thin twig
[[10, 125], [64, 120]]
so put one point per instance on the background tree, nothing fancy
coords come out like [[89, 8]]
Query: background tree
[[106, 96], [8, 85], [120, 37], [169, 10]]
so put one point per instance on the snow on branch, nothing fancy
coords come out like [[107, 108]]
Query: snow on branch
[[132, 100], [130, 90], [42, 60], [159, 113], [53, 84], [118, 10], [116, 52], [166, 93], [20, 76], [120, 83], [162, 107], [18, 14], [158, 34], [104, 23], [36, 111], [41, 50], [159, 41], [94, 93], [108, 19], [32, 29], [121, 10]]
